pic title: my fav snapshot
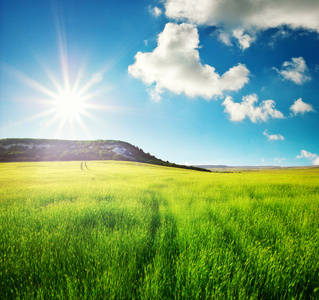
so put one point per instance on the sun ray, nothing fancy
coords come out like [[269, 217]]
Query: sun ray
[[62, 46], [78, 80], [49, 123], [28, 81], [79, 77], [88, 96], [71, 128], [82, 125], [33, 118], [60, 127], [89, 116], [54, 80], [86, 87], [46, 69]]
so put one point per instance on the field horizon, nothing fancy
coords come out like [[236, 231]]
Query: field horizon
[[127, 230]]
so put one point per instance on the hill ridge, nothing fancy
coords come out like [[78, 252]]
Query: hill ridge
[[29, 149]]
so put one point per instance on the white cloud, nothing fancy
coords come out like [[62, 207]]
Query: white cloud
[[244, 40], [175, 66], [273, 137], [248, 109], [155, 11], [313, 157], [307, 154], [225, 38], [295, 70], [300, 107], [247, 15], [155, 93]]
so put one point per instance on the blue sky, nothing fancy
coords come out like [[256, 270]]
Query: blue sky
[[198, 82]]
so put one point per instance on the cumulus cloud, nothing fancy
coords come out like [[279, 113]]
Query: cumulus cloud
[[248, 109], [295, 70], [313, 157], [307, 154], [300, 107], [175, 66], [273, 137], [247, 15]]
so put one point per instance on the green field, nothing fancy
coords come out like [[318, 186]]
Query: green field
[[121, 230]]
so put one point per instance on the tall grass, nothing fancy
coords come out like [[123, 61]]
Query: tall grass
[[121, 230]]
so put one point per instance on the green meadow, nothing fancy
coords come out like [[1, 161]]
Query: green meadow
[[123, 230]]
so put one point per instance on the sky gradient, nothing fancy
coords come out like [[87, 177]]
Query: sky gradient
[[191, 82]]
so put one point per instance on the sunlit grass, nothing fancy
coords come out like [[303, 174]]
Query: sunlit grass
[[121, 230]]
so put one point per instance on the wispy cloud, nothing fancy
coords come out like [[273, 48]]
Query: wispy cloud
[[175, 66], [300, 107], [225, 38], [295, 70], [280, 159], [244, 39], [248, 109], [281, 33], [313, 157], [155, 11], [273, 137], [249, 16]]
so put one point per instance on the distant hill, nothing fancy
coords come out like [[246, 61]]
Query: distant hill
[[13, 150], [237, 167], [231, 169], [225, 168]]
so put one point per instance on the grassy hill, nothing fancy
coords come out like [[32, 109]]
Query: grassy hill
[[14, 150]]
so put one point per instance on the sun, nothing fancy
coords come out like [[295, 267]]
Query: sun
[[69, 105], [68, 99]]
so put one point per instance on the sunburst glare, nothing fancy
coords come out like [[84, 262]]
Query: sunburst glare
[[71, 92], [69, 105]]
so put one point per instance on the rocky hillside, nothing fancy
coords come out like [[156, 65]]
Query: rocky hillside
[[63, 150]]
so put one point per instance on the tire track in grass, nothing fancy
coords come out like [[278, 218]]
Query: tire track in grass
[[84, 166], [157, 262], [147, 253], [152, 206], [169, 251]]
